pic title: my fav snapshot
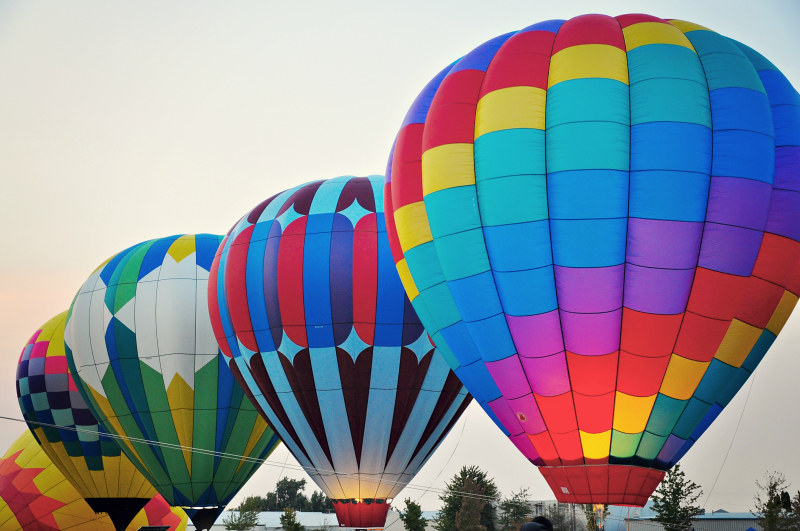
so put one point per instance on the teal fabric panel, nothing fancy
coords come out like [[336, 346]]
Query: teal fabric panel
[[588, 146], [647, 62], [452, 210], [509, 152], [424, 265], [665, 414], [695, 412], [587, 100], [670, 100], [462, 254], [519, 246], [514, 199], [650, 446]]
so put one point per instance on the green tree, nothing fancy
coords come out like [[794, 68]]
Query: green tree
[[468, 517], [240, 520], [318, 502], [288, 493], [515, 510], [773, 504], [412, 517], [454, 494], [289, 520], [674, 500], [254, 503]]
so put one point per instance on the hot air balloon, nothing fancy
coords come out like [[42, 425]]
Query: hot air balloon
[[34, 494], [597, 220], [140, 347], [308, 308], [68, 432]]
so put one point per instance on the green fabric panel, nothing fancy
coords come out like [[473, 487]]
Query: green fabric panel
[[650, 446], [204, 433], [665, 414], [624, 445]]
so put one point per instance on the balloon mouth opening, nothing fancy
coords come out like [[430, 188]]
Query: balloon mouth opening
[[361, 512], [203, 517], [121, 511]]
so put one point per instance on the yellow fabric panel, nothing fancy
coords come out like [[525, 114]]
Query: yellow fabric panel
[[412, 225], [181, 404], [654, 33], [7, 517], [406, 280], [258, 430], [58, 488], [182, 247], [682, 377], [589, 61], [782, 312], [447, 166], [686, 27], [74, 468], [739, 340], [111, 418], [632, 412], [511, 108], [54, 328], [596, 445]]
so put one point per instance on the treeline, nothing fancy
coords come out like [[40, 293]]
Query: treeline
[[288, 494]]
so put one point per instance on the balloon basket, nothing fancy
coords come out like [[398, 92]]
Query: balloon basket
[[610, 484]]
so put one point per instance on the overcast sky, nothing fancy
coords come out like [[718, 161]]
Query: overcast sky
[[125, 121]]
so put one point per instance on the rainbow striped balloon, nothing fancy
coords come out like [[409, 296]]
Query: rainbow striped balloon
[[598, 220]]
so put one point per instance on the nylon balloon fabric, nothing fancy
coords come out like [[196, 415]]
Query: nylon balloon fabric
[[308, 308], [142, 352], [34, 494], [597, 220]]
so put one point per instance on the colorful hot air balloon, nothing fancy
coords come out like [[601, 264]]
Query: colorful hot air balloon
[[141, 349], [34, 494], [306, 304], [68, 432], [598, 220]]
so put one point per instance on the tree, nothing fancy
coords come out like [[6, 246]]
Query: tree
[[319, 503], [515, 510], [674, 500], [254, 503], [412, 517], [240, 520], [289, 520], [468, 517], [561, 517], [774, 510], [455, 493]]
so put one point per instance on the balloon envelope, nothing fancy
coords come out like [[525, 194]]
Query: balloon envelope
[[141, 349], [598, 220], [34, 494], [306, 303]]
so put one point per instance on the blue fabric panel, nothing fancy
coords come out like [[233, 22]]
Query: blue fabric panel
[[587, 146], [440, 301], [670, 195], [514, 199], [475, 376], [519, 246], [587, 194], [206, 246], [738, 108], [390, 304], [670, 100], [334, 414], [732, 387], [418, 111], [670, 449], [529, 292], [509, 152], [463, 254], [708, 419], [255, 293], [443, 349], [665, 414], [724, 63], [759, 350], [492, 338], [316, 285], [671, 146], [460, 342], [759, 61], [155, 255], [779, 88], [424, 265], [744, 154], [452, 210], [324, 202], [695, 411], [714, 381], [589, 243], [546, 25], [587, 100], [650, 445], [647, 62], [480, 57], [475, 296], [787, 125]]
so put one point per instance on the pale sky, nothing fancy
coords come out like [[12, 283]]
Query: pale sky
[[125, 121]]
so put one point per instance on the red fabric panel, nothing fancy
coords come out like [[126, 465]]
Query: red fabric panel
[[407, 167], [716, 294], [558, 412], [522, 61], [451, 118], [612, 484], [595, 413], [700, 337], [617, 481], [592, 375], [213, 307], [290, 281], [640, 375], [361, 514], [545, 448], [589, 29], [365, 277], [778, 262], [759, 302], [391, 228], [648, 334], [598, 480], [568, 446], [635, 18], [236, 289]]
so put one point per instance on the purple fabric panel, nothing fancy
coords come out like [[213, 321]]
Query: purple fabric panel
[[739, 202], [589, 289], [787, 167], [548, 375], [731, 250], [670, 448], [591, 334], [655, 290], [526, 408], [783, 219], [536, 335], [509, 377], [506, 417], [662, 243], [524, 445]]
